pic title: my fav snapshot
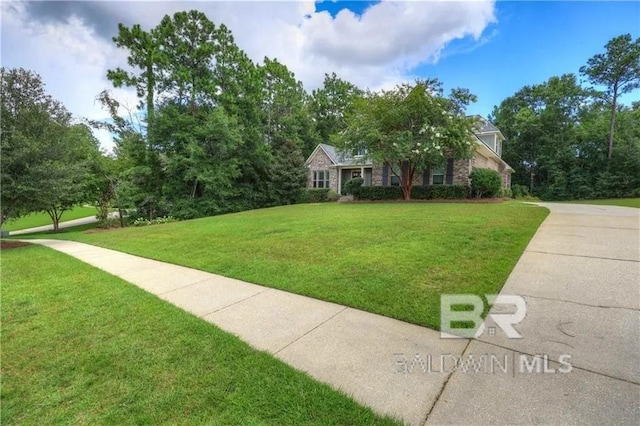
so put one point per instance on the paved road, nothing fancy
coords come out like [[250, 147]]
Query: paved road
[[579, 277]]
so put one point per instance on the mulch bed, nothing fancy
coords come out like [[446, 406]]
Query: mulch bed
[[5, 245]]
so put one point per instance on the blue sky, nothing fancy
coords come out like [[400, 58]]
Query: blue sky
[[529, 43], [493, 49]]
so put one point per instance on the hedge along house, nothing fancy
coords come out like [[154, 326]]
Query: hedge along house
[[328, 167]]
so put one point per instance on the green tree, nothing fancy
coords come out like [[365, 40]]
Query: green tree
[[618, 70], [288, 129], [199, 152], [44, 157], [330, 104], [541, 125], [187, 44], [143, 57], [410, 128], [59, 176]]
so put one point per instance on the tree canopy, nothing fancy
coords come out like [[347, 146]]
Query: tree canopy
[[410, 128]]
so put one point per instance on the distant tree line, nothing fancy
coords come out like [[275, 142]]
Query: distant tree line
[[215, 132], [569, 141]]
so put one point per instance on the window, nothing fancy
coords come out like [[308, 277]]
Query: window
[[321, 178], [360, 152], [437, 177], [394, 174]]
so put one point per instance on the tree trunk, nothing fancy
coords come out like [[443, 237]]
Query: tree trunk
[[613, 121], [55, 218], [531, 183], [407, 180], [406, 190]]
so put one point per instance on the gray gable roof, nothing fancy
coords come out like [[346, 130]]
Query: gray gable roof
[[488, 127], [484, 126], [341, 158], [331, 152]]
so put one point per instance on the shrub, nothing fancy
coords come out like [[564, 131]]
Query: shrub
[[353, 186], [449, 192], [332, 195], [520, 191], [421, 192], [485, 182], [315, 195], [157, 221], [505, 193], [376, 193]]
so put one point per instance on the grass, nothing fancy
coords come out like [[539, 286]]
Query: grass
[[393, 259], [623, 202], [80, 346], [41, 219]]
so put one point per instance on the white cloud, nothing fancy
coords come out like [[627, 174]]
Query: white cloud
[[69, 57], [377, 49]]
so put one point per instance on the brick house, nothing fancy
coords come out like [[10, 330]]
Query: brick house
[[327, 167]]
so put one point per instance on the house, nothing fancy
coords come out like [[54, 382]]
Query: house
[[328, 167]]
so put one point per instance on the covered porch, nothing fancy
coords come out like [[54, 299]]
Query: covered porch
[[351, 172]]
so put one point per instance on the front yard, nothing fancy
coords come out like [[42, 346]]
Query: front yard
[[41, 219], [80, 346], [394, 259]]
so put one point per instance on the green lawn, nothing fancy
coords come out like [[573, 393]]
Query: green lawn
[[394, 259], [80, 346], [41, 219], [624, 202]]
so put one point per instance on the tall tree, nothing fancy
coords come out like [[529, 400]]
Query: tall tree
[[187, 44], [618, 70], [288, 129], [31, 119], [410, 128], [541, 124], [143, 57], [330, 103]]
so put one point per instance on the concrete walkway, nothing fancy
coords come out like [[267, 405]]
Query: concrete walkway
[[61, 225], [580, 279], [352, 350]]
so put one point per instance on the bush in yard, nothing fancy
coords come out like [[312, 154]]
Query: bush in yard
[[485, 182], [519, 191], [449, 192], [421, 193], [332, 195], [157, 221], [315, 195], [506, 193], [353, 186], [379, 193]]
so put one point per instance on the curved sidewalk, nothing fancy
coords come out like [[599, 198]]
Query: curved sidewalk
[[579, 276], [355, 351]]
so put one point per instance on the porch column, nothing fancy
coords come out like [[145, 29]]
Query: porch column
[[339, 188], [362, 176]]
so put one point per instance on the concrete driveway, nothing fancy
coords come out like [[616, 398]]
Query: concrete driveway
[[578, 360]]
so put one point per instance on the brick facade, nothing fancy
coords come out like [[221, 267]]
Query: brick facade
[[321, 161], [461, 170]]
